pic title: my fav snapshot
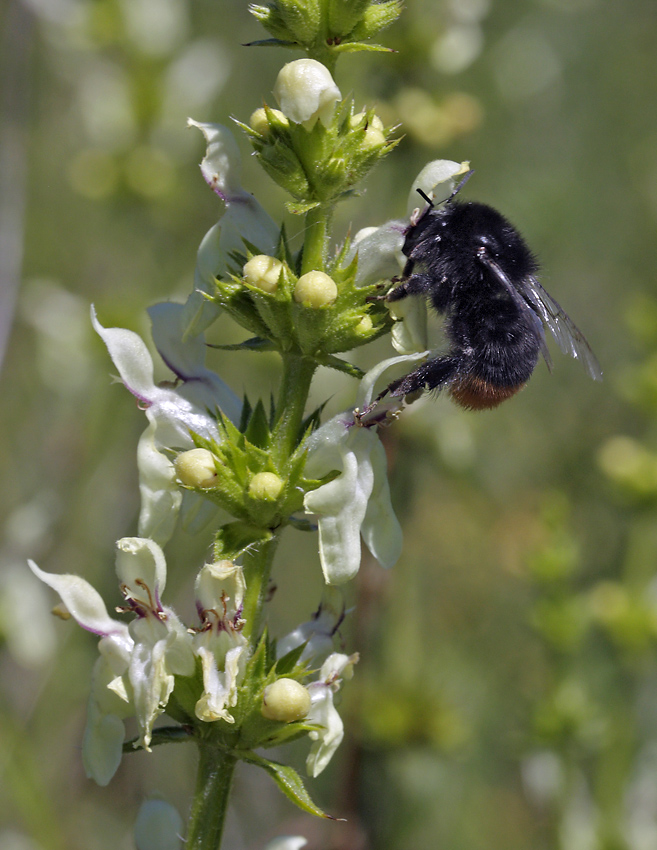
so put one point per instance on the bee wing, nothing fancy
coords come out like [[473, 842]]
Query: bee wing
[[568, 336], [531, 296]]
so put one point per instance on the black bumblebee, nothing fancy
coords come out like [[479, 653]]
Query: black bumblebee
[[476, 269]]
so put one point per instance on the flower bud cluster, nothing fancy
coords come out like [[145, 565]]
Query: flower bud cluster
[[238, 472], [316, 314], [315, 146], [326, 28]]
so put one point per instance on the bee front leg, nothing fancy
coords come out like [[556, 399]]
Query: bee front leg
[[416, 284]]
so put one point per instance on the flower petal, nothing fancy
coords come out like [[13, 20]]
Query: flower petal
[[142, 569], [341, 504], [221, 164], [161, 496], [380, 529], [436, 179], [83, 601], [186, 359]]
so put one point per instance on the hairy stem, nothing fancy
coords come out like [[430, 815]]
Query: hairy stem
[[213, 784], [257, 569], [314, 247], [298, 373]]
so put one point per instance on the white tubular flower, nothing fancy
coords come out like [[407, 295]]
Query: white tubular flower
[[436, 180], [317, 633], [172, 413], [357, 502], [243, 218], [134, 674], [323, 713], [219, 644], [306, 92]]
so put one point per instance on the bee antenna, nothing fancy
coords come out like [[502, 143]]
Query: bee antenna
[[455, 191], [424, 195], [465, 179]]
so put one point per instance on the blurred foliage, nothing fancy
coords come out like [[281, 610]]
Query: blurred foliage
[[507, 693]]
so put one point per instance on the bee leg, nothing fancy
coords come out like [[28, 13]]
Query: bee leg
[[432, 375], [416, 284]]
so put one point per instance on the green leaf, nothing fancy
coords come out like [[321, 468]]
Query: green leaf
[[301, 207], [289, 782], [234, 538], [163, 735], [256, 343], [289, 661], [257, 431], [357, 46], [273, 42], [341, 365]]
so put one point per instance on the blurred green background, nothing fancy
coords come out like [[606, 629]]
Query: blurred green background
[[507, 692]]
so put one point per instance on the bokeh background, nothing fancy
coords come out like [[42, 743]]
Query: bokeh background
[[507, 692]]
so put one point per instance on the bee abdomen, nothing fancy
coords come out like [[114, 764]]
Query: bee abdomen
[[475, 393]]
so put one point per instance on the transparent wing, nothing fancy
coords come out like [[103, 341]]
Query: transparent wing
[[568, 336], [531, 296]]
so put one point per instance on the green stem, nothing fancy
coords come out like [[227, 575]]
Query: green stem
[[298, 373], [213, 784], [257, 569], [315, 242]]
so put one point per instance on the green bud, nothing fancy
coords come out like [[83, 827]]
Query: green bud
[[285, 700], [343, 15], [315, 289], [271, 18], [376, 17], [265, 486], [196, 468], [302, 19]]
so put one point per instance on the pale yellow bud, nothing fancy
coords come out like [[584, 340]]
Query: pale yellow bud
[[196, 468], [263, 271], [265, 486], [375, 122], [315, 289], [285, 700], [260, 122], [364, 326]]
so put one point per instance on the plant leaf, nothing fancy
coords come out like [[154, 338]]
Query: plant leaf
[[289, 782]]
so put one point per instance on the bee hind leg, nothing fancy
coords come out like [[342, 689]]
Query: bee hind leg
[[434, 374]]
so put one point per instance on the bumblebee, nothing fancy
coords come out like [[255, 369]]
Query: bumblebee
[[475, 269]]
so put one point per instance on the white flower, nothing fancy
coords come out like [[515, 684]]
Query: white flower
[[317, 633], [220, 644], [306, 92], [135, 672], [357, 502], [380, 252], [243, 218], [172, 412], [323, 713]]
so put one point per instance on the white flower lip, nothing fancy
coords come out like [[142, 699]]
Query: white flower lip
[[243, 218], [322, 711], [306, 92], [172, 413]]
